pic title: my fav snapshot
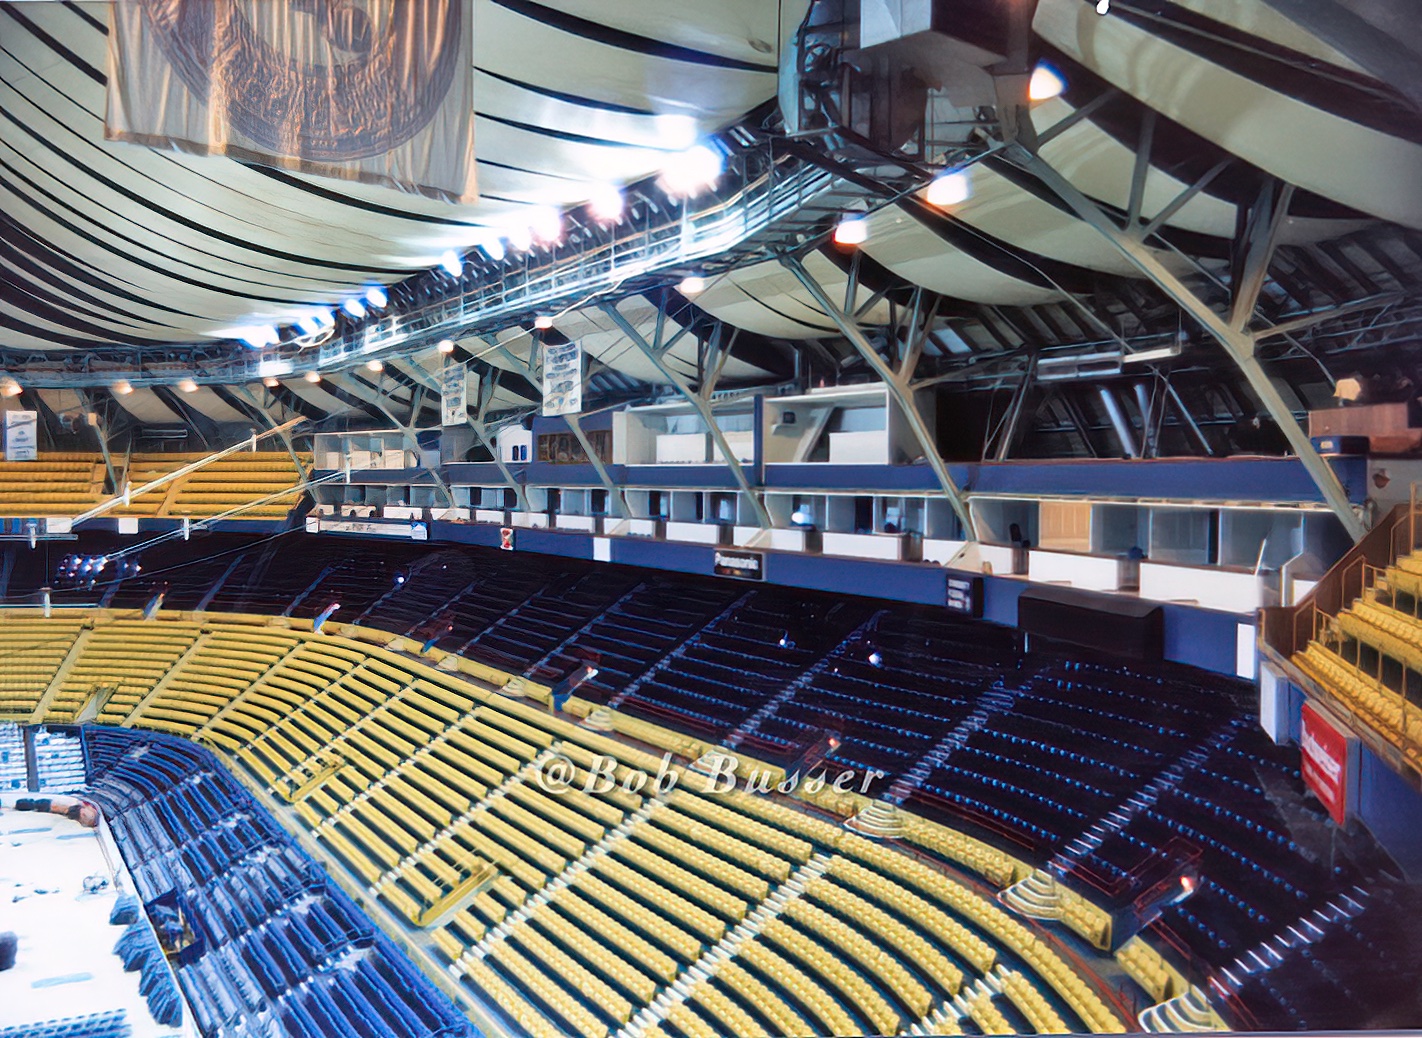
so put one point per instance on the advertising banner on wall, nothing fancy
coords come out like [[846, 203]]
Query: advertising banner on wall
[[1330, 760], [453, 394], [21, 435], [562, 379], [743, 565]]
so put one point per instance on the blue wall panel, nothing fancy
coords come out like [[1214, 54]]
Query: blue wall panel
[[1392, 811]]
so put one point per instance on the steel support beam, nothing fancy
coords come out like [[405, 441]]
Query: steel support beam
[[1238, 344], [357, 387], [899, 386], [696, 400], [616, 494], [246, 396], [100, 433], [1008, 436], [481, 431]]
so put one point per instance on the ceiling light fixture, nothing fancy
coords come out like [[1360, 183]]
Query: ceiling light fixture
[[692, 285], [1045, 84], [606, 204], [445, 346], [123, 387], [375, 365], [851, 230], [546, 225], [950, 188], [687, 173], [313, 376], [187, 385]]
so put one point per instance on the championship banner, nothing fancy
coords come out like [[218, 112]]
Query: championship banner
[[21, 435], [379, 91], [562, 379], [453, 394]]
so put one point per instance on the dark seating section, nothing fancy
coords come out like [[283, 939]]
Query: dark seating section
[[272, 939], [758, 647], [1346, 970]]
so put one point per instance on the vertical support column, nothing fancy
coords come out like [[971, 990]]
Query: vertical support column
[[899, 390]]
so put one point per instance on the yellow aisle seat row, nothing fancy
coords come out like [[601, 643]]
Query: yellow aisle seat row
[[732, 848], [825, 963], [1047, 964], [1031, 1003], [595, 955], [31, 654], [870, 957], [987, 1016], [909, 943], [786, 1020], [805, 989], [967, 945]]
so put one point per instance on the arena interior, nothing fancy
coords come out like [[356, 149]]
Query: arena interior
[[710, 518]]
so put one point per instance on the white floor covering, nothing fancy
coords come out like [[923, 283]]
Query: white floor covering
[[65, 965]]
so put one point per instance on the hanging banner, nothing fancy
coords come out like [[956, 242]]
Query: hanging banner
[[562, 379], [454, 394], [21, 435], [380, 91]]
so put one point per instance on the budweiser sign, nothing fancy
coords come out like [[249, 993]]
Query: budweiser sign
[[1329, 759]]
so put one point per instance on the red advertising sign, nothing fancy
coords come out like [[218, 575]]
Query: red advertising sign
[[1327, 761]]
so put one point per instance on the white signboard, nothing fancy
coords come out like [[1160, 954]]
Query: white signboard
[[21, 438], [562, 379], [414, 531], [454, 393]]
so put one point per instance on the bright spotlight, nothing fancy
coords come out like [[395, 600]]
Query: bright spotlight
[[543, 322], [520, 239], [445, 346], [270, 382], [452, 264], [308, 326], [187, 385], [10, 387], [376, 297], [852, 230], [257, 336], [313, 376], [494, 248], [951, 188], [354, 307], [547, 224], [692, 285], [1045, 84], [375, 365], [691, 171], [1103, 6], [123, 387], [676, 130], [606, 203]]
